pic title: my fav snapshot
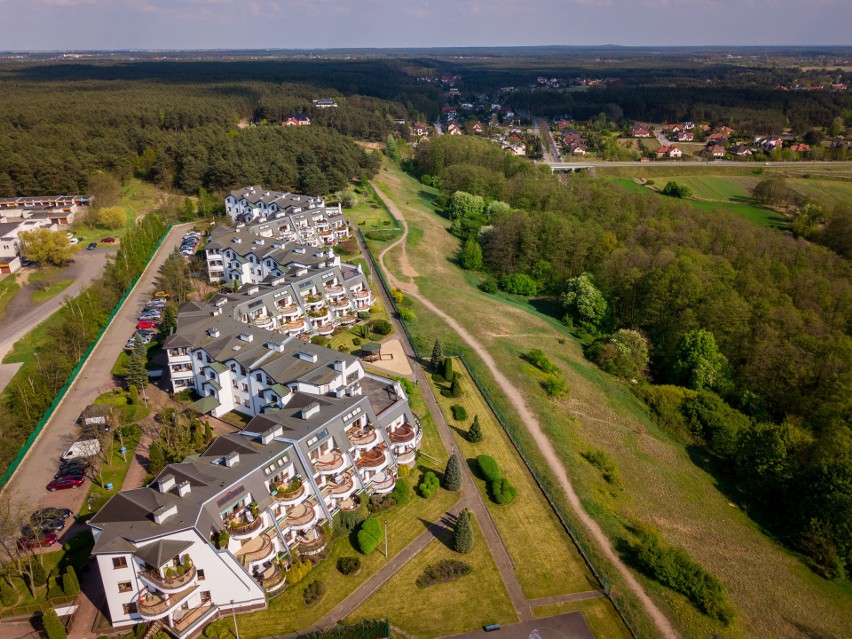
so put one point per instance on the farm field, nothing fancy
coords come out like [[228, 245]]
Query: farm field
[[661, 485]]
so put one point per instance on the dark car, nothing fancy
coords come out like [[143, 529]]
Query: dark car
[[72, 467], [109, 240], [44, 527], [39, 541], [50, 513], [65, 482], [92, 246]]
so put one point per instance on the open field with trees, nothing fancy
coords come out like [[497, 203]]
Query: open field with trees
[[672, 487]]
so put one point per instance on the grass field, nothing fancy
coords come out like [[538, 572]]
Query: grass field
[[598, 613], [53, 289], [528, 522], [468, 603], [661, 485], [113, 472], [8, 288]]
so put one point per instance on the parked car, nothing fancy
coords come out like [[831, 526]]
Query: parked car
[[66, 482], [92, 246], [162, 294], [146, 324], [74, 240], [150, 313], [146, 332], [73, 467], [51, 513], [82, 448], [40, 541], [109, 240], [37, 528]]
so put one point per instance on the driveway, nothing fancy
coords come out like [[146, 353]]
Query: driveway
[[35, 472]]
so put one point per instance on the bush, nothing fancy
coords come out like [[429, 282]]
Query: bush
[[406, 314], [600, 460], [502, 491], [313, 592], [455, 387], [53, 627], [673, 189], [70, 583], [537, 358], [474, 433], [448, 369], [518, 284], [438, 378], [672, 567], [403, 470], [488, 286], [298, 571], [369, 535], [381, 327], [349, 520], [217, 630], [488, 468], [54, 591], [319, 340], [8, 596], [356, 341], [555, 386], [428, 485], [38, 572], [459, 412], [348, 565], [442, 572], [401, 492]]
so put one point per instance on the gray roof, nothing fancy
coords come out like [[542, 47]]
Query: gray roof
[[162, 551]]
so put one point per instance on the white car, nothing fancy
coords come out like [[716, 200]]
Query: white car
[[74, 240]]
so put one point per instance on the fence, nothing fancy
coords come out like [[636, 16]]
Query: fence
[[384, 206], [22, 453], [27, 611], [379, 629], [543, 482]]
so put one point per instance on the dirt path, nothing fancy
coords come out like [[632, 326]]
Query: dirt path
[[529, 419]]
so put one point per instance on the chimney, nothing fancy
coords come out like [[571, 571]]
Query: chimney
[[166, 483], [164, 512], [184, 489], [232, 459], [307, 357], [310, 410], [213, 331]]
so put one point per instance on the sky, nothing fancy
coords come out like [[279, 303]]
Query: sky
[[305, 24]]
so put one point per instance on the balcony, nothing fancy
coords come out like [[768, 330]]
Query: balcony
[[329, 463], [324, 329], [342, 489], [258, 549], [311, 543], [364, 438], [291, 494], [383, 483], [293, 327], [288, 310], [374, 458], [340, 305], [334, 291], [194, 617], [406, 457], [349, 505], [262, 321], [151, 606], [301, 517], [273, 578], [166, 584], [403, 435], [245, 530], [182, 373], [361, 295], [346, 319]]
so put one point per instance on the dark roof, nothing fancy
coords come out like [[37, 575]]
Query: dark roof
[[162, 551]]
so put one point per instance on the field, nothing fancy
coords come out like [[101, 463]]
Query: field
[[8, 287], [661, 485]]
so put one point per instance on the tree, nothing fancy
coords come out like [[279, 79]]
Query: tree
[[169, 321], [369, 536], [453, 474], [70, 584], [175, 278], [625, 354], [449, 375], [156, 458], [137, 371], [673, 189], [698, 364], [110, 217], [584, 303], [455, 388], [46, 247], [471, 255], [391, 148], [53, 626], [474, 433], [464, 204], [463, 533], [437, 360]]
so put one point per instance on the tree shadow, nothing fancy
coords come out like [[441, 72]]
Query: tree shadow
[[442, 529], [461, 431]]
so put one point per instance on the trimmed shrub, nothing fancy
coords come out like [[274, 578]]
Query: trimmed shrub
[[369, 535], [217, 630], [356, 341], [442, 572], [448, 368], [537, 358], [474, 433], [381, 327], [406, 314], [319, 340], [437, 377], [348, 520], [453, 474], [401, 492], [298, 571], [53, 627], [70, 583], [348, 565], [502, 491], [428, 485], [455, 388], [463, 533], [459, 412], [54, 591], [39, 574], [403, 471], [488, 468], [313, 592]]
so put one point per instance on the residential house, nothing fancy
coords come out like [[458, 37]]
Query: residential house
[[716, 138], [454, 129], [300, 119], [715, 151], [579, 150], [675, 128], [640, 132], [9, 264], [800, 148], [725, 131], [768, 144], [685, 136], [10, 232], [668, 151], [564, 123], [448, 112], [842, 144], [741, 150], [256, 204], [420, 129], [477, 127]]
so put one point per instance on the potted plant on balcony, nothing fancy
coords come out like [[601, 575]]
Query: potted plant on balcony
[[253, 509], [187, 562], [170, 573]]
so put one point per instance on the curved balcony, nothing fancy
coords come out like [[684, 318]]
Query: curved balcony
[[152, 607], [246, 530], [344, 489], [311, 543], [406, 457], [346, 319], [293, 496], [333, 291], [341, 305], [166, 584], [383, 483], [372, 458], [263, 321], [349, 505], [324, 329], [302, 517], [194, 617], [293, 327], [258, 549], [290, 309], [361, 295], [403, 435], [363, 438], [330, 463], [273, 578]]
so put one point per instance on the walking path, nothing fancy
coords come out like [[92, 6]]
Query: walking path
[[528, 418], [574, 596]]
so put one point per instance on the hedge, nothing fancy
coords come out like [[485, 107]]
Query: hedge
[[442, 572], [488, 467], [502, 491], [369, 535]]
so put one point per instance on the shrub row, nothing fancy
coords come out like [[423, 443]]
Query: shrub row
[[442, 572], [502, 491], [429, 485]]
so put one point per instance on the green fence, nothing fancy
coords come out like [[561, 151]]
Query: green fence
[[13, 466], [544, 483]]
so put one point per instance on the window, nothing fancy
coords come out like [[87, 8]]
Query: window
[[200, 575], [119, 562], [205, 596], [130, 608], [259, 377], [124, 586], [245, 387], [200, 356]]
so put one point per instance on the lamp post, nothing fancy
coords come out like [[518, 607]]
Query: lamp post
[[386, 541], [234, 616]]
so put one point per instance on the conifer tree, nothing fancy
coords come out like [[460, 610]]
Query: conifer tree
[[437, 356], [453, 473], [463, 533], [448, 369], [137, 372], [455, 388], [474, 433], [156, 458]]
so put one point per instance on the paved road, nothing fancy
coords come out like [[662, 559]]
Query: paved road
[[24, 315], [715, 163], [661, 137], [37, 469]]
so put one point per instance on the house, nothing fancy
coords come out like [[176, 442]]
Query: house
[[640, 132], [668, 151], [10, 231], [454, 129], [579, 150], [515, 138], [768, 144], [325, 103], [704, 127], [218, 533], [741, 150], [688, 126], [716, 138], [449, 112], [716, 151], [725, 131], [254, 203], [800, 148], [675, 128], [564, 123], [9, 264], [300, 119], [477, 127], [685, 136], [842, 144], [420, 129]]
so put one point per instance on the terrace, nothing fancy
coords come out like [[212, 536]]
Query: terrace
[[311, 542], [404, 434], [290, 493], [152, 606], [372, 458], [383, 483], [301, 517], [364, 437], [258, 549], [329, 463], [193, 616], [168, 584]]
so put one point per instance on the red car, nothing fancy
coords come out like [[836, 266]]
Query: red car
[[63, 483], [46, 539], [109, 240], [146, 324]]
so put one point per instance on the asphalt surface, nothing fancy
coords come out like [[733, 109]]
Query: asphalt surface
[[676, 163], [27, 314], [27, 485]]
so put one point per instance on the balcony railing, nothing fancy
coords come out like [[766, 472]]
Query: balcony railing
[[383, 483], [403, 434], [167, 583], [274, 578], [343, 488], [155, 606], [245, 530], [290, 495], [406, 457], [329, 463], [361, 438], [301, 517], [372, 458], [189, 619], [265, 550], [311, 543]]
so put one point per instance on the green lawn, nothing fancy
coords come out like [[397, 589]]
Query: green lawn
[[114, 470], [468, 603], [53, 289], [599, 614], [528, 522], [8, 288], [288, 613], [24, 349]]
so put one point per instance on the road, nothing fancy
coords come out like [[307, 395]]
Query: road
[[661, 137], [678, 163], [530, 420], [86, 267], [38, 467], [549, 143]]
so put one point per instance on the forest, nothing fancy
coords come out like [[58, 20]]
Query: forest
[[748, 328]]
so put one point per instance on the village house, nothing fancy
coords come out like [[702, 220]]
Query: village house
[[800, 148], [668, 151], [715, 151], [454, 129], [640, 132], [768, 144], [685, 136], [477, 127], [420, 129], [741, 150], [300, 119]]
